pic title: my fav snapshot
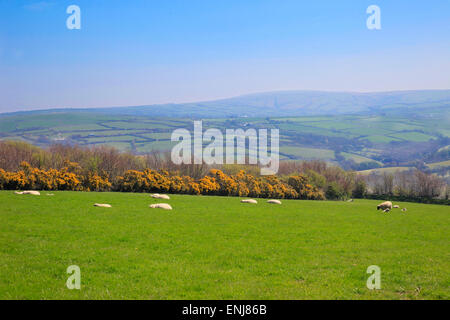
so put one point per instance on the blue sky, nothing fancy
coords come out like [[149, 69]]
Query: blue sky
[[145, 52]]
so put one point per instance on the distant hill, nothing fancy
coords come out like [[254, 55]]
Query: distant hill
[[359, 131], [286, 103]]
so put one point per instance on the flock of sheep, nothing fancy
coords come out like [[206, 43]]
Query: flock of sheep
[[164, 206], [385, 206], [255, 202], [167, 206]]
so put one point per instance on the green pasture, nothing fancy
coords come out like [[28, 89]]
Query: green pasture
[[218, 248]]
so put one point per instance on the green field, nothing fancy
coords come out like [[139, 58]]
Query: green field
[[308, 153], [443, 164], [388, 170], [357, 158], [218, 248]]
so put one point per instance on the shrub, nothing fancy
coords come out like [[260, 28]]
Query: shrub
[[305, 190], [334, 192], [360, 189]]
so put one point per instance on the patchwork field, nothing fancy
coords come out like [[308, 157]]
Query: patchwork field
[[218, 248], [343, 139]]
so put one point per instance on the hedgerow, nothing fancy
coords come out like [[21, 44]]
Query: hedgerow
[[72, 177]]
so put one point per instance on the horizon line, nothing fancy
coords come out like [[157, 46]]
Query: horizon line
[[38, 109]]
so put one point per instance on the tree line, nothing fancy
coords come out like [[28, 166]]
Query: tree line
[[101, 168]]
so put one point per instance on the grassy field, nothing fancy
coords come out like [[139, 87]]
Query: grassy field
[[358, 159], [308, 153], [443, 164], [389, 170], [218, 248]]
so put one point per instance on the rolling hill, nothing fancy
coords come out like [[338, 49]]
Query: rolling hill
[[360, 131], [287, 103]]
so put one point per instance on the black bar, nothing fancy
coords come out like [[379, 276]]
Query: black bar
[[229, 309]]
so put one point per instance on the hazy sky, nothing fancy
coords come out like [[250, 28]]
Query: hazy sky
[[145, 52]]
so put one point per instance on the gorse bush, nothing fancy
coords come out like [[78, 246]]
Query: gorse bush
[[71, 177], [303, 188], [37, 179]]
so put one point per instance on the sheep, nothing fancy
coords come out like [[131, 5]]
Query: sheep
[[34, 193], [404, 210], [396, 206], [350, 200], [164, 206], [249, 201], [385, 205], [274, 201], [160, 196], [102, 205]]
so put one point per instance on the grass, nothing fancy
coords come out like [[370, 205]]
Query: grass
[[308, 153], [108, 139], [218, 248], [443, 164], [357, 158], [385, 170], [380, 139], [140, 125], [413, 136], [126, 146], [155, 145], [444, 148]]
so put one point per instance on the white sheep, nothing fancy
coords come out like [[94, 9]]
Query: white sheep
[[102, 205], [34, 193], [249, 201], [396, 206], [164, 206], [160, 196], [385, 205], [274, 201]]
